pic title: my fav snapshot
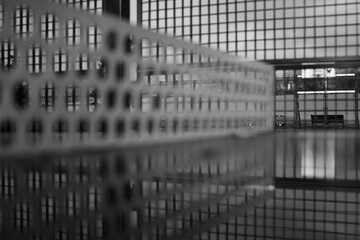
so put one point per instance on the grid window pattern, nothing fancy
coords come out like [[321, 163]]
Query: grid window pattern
[[7, 55], [48, 209], [60, 61], [23, 24], [1, 16], [61, 233], [94, 199], [73, 33], [35, 181], [36, 60], [82, 64], [92, 99], [47, 97], [60, 176], [99, 227], [264, 30], [72, 203], [82, 231], [72, 98], [23, 21], [277, 31], [22, 216], [50, 27], [94, 38], [7, 183]]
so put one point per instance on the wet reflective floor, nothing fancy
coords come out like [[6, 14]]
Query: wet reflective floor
[[330, 155], [169, 191], [317, 193], [213, 189]]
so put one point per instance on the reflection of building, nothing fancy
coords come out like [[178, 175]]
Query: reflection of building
[[297, 37], [318, 162]]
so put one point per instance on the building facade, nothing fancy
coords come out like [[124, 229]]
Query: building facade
[[313, 45]]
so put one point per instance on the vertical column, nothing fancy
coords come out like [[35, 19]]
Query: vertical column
[[356, 98], [297, 107]]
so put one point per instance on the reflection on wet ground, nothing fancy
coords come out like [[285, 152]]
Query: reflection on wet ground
[[318, 155], [215, 189], [173, 191], [317, 193]]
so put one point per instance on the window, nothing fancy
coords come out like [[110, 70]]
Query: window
[[23, 22], [47, 97], [73, 33], [50, 27], [94, 38], [60, 61], [36, 60]]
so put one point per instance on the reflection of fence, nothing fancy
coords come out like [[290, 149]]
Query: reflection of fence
[[85, 98], [168, 191]]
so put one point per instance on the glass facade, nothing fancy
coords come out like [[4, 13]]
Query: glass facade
[[313, 45], [264, 30], [314, 48]]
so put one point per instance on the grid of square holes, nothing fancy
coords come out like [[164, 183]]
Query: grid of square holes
[[91, 80], [261, 29], [170, 191], [295, 214]]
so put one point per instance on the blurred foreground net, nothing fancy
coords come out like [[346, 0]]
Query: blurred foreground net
[[108, 131]]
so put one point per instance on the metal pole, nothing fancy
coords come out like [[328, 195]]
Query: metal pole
[[325, 104], [297, 106], [356, 96]]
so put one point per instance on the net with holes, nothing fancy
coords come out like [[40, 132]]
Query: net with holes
[[72, 79], [84, 99]]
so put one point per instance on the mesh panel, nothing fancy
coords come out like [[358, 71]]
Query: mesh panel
[[84, 98], [93, 81]]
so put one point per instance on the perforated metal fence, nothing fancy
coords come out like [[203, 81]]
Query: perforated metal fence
[[72, 79], [105, 129]]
